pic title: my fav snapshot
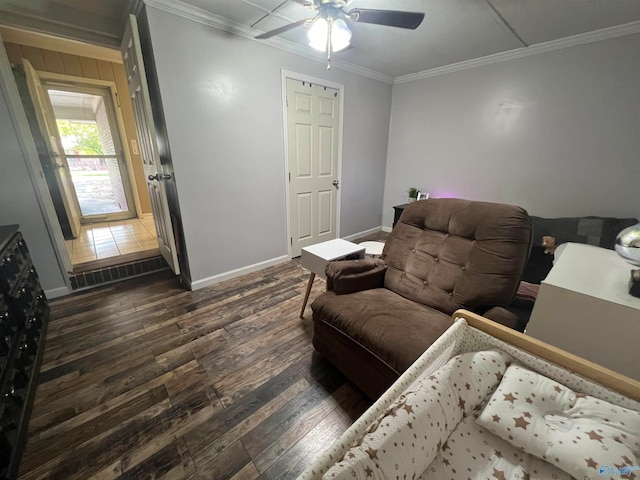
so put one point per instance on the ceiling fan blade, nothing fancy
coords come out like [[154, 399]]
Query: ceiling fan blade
[[286, 28], [305, 3], [391, 18]]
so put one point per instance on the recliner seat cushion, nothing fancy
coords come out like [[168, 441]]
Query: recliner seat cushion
[[393, 328]]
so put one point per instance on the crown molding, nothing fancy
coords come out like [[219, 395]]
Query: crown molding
[[181, 9], [568, 42], [205, 17]]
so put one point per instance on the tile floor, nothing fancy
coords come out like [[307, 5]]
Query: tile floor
[[110, 239]]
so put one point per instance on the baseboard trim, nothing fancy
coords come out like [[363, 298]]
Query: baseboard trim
[[362, 234], [57, 292], [206, 282], [386, 229], [111, 282]]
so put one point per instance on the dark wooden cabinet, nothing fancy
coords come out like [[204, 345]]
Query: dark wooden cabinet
[[397, 211], [24, 314]]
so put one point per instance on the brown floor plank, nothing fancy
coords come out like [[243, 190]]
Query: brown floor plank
[[229, 462], [57, 445], [110, 472], [142, 379], [93, 453], [209, 453], [295, 412], [171, 460], [125, 341], [297, 458], [206, 443], [248, 472], [241, 382], [76, 380], [95, 400], [188, 414], [265, 458], [234, 357]]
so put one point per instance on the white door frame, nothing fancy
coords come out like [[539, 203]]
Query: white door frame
[[28, 147], [65, 80], [325, 83]]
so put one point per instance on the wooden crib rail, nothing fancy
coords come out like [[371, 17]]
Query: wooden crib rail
[[597, 373]]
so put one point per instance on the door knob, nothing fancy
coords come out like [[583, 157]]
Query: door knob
[[336, 183], [160, 176]]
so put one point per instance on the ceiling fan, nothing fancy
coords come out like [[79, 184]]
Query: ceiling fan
[[330, 31]]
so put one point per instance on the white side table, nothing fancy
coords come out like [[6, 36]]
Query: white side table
[[316, 257], [584, 307], [373, 248]]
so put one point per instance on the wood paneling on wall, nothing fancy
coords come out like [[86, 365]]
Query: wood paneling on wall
[[63, 63]]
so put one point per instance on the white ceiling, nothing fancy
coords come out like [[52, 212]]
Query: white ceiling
[[73, 105], [453, 31]]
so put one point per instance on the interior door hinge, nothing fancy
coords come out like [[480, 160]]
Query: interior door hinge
[[289, 177], [291, 240], [117, 99], [286, 100]]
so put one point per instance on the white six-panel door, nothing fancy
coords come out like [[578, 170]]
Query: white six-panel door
[[153, 169], [313, 125]]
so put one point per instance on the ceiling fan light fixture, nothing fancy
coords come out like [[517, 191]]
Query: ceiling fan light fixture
[[319, 34], [340, 35]]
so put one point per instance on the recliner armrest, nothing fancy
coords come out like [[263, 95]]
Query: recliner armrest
[[350, 276], [503, 316]]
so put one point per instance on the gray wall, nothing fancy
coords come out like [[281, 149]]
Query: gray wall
[[222, 99], [19, 204], [557, 133]]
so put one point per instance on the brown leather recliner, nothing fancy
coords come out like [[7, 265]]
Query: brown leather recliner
[[378, 316]]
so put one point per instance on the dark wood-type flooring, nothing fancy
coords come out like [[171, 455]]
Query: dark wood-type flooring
[[142, 379]]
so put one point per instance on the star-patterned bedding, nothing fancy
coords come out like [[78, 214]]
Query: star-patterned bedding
[[473, 452], [434, 422], [573, 431], [413, 429]]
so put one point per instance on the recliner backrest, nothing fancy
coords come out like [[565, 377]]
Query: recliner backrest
[[450, 253]]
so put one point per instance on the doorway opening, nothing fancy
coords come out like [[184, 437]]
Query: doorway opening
[[78, 130], [92, 152]]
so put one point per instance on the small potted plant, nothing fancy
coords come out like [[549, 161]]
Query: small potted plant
[[413, 194]]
